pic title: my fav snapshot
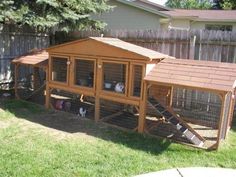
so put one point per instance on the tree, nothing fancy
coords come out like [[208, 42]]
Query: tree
[[188, 4], [51, 14], [225, 4]]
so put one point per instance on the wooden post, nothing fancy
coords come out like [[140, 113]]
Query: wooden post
[[142, 110], [16, 81], [231, 113], [48, 92], [36, 78], [223, 99], [171, 96], [98, 77], [97, 109]]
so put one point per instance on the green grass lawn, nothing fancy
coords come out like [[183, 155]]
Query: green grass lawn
[[38, 142]]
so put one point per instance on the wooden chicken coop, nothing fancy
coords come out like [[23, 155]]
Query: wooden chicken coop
[[30, 76], [131, 87]]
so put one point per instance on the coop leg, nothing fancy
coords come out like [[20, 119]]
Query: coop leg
[[97, 109], [16, 81]]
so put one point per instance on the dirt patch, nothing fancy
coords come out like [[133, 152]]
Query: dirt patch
[[4, 124]]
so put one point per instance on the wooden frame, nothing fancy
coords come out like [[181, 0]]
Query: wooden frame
[[68, 70], [73, 76], [131, 79], [112, 93]]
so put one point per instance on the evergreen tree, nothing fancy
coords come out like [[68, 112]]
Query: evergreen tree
[[51, 14]]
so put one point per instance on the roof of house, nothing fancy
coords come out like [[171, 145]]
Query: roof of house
[[194, 74], [37, 58], [203, 15], [197, 15], [146, 6], [122, 46]]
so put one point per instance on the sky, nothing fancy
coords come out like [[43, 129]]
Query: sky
[[162, 2]]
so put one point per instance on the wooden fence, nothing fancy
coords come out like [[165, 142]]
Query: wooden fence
[[15, 42], [194, 44]]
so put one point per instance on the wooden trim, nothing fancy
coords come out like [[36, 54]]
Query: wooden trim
[[70, 89], [126, 63], [109, 58], [50, 69], [120, 99], [70, 76], [187, 87], [73, 77], [131, 74], [221, 121]]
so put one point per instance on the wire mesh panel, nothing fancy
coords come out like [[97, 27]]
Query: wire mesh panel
[[79, 104], [137, 76], [119, 114], [114, 77], [59, 69], [31, 83], [200, 111], [84, 72], [197, 106]]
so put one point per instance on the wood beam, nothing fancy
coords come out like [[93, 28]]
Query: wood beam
[[16, 81], [142, 110], [220, 126]]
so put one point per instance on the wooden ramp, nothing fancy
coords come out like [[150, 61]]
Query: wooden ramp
[[179, 123]]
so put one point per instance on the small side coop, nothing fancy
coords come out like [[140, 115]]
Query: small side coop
[[30, 76]]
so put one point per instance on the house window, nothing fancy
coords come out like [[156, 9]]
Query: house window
[[219, 27], [137, 75], [114, 77], [84, 72], [59, 69]]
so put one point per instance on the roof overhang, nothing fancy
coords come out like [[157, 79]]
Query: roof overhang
[[200, 75], [36, 58]]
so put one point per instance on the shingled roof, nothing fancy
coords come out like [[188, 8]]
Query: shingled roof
[[195, 74], [81, 46], [37, 58], [203, 15]]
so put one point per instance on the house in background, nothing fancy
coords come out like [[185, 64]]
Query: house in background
[[224, 20], [143, 15]]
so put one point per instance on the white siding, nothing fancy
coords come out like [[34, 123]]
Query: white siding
[[201, 25], [127, 17], [186, 24], [179, 24]]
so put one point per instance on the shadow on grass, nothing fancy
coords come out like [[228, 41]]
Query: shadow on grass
[[69, 123]]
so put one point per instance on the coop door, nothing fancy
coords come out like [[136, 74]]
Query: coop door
[[136, 80], [84, 73], [59, 69], [114, 77]]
